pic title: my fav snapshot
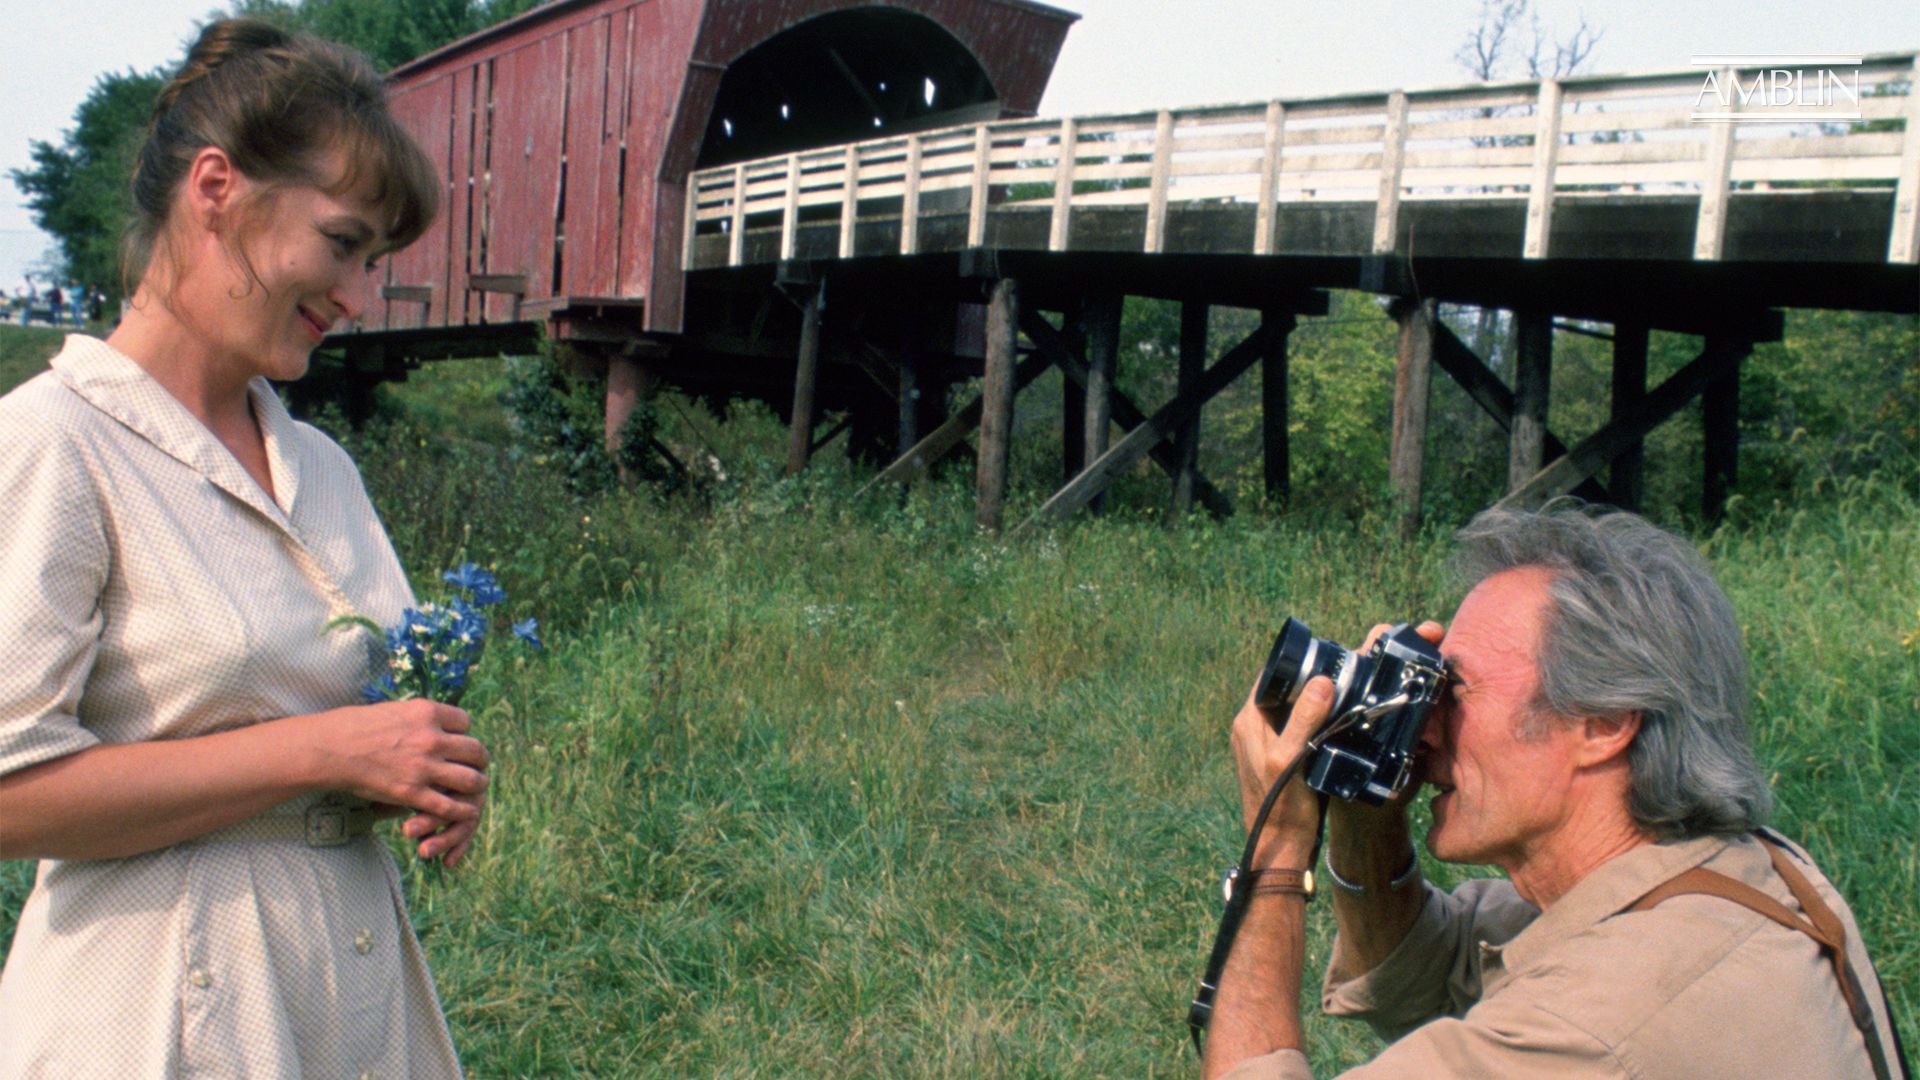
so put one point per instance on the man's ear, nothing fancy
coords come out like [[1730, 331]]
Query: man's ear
[[1604, 738], [212, 188]]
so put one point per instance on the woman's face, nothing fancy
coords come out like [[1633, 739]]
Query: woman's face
[[311, 254]]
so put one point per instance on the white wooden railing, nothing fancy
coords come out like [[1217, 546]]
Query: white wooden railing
[[1537, 142]]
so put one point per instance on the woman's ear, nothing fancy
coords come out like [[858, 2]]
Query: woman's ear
[[213, 188], [1604, 738]]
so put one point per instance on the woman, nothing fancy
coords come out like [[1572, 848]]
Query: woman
[[178, 739]]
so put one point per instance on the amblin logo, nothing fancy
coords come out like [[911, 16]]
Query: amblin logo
[[1759, 89]]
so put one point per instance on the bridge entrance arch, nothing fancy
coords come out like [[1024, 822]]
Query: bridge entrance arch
[[842, 76]]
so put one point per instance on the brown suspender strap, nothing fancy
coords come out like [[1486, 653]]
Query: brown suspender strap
[[1825, 928]]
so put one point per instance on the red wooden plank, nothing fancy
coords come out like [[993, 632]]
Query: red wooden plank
[[450, 308], [586, 159], [529, 96], [424, 109], [661, 40]]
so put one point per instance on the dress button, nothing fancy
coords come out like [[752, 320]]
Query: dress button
[[199, 978], [368, 1076], [363, 942]]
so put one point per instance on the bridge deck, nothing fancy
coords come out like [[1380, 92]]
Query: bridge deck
[[1610, 168]]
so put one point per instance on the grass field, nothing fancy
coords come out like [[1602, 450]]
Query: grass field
[[806, 786]]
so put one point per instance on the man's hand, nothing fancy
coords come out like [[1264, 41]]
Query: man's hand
[[1262, 750]]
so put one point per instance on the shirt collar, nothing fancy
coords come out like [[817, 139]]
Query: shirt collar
[[115, 384], [1609, 889]]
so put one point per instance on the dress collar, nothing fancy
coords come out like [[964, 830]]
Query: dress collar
[[1612, 887], [115, 384]]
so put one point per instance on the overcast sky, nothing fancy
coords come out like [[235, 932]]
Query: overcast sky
[[1122, 55]]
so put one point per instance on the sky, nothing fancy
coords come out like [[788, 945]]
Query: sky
[[1122, 55]]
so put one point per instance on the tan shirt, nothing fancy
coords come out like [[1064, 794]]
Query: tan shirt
[[1697, 988], [150, 589]]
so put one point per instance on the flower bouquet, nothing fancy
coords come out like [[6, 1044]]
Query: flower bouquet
[[433, 649]]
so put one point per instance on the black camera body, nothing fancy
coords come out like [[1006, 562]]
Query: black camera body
[[1381, 701]]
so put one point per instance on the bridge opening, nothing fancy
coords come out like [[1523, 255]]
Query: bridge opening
[[841, 77]]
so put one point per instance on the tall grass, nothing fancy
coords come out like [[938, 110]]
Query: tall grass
[[815, 786]]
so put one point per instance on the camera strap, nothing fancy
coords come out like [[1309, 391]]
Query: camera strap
[[1200, 1013]]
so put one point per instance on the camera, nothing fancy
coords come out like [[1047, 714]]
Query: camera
[[1381, 700]]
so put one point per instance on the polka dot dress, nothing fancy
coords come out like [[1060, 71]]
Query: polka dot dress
[[150, 589]]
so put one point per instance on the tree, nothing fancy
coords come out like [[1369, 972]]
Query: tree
[[78, 189]]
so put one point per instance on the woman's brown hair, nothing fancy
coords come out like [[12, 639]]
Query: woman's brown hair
[[277, 104]]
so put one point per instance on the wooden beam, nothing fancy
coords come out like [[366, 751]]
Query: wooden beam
[[1532, 376], [849, 200], [1719, 357], [737, 221], [1492, 395], [1626, 476], [1720, 444], [1276, 465], [1141, 440], [1101, 317], [977, 201], [806, 372], [996, 394], [1186, 440], [1411, 385], [1053, 344], [943, 440], [909, 396], [790, 209], [910, 200]]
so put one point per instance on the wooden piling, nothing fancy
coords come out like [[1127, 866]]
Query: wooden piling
[[1626, 476], [805, 376], [996, 416], [1412, 382], [1720, 445], [1193, 363], [1102, 317], [1277, 467], [1532, 375]]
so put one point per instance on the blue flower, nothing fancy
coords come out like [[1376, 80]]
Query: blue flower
[[483, 585], [528, 630]]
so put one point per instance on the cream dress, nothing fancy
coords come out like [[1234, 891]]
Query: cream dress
[[149, 589]]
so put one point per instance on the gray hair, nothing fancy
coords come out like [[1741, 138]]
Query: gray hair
[[1638, 624]]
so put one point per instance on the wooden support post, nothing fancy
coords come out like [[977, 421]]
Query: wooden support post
[[910, 200], [1073, 397], [996, 397], [910, 348], [1267, 214], [1193, 362], [1142, 439], [1546, 148], [1412, 380], [1393, 153], [1060, 222], [805, 374], [1710, 226], [1719, 357], [944, 439], [1277, 466], [790, 209], [1532, 374], [1102, 320], [629, 381], [737, 221], [1160, 174], [977, 196], [1720, 428], [1903, 242], [849, 200], [1625, 478]]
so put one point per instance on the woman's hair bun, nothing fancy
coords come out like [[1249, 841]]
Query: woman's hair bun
[[220, 42]]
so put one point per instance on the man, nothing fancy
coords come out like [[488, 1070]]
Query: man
[[1593, 744]]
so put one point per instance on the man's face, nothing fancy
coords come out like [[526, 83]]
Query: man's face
[[1500, 792]]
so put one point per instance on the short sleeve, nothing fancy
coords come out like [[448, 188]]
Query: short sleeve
[[1434, 971], [53, 571], [1279, 1065]]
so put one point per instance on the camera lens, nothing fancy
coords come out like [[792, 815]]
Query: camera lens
[[1297, 656]]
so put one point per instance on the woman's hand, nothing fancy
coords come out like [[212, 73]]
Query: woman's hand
[[413, 754]]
